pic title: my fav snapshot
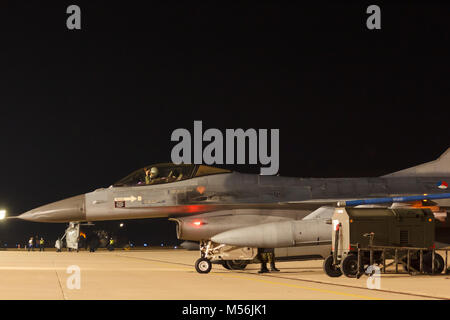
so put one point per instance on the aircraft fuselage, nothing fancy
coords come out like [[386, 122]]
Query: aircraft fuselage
[[227, 191]]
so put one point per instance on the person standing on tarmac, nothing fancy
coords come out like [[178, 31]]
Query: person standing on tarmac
[[111, 244], [30, 244], [41, 244], [271, 258], [262, 255], [267, 255], [94, 242]]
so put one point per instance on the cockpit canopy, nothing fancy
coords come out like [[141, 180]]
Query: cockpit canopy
[[167, 173]]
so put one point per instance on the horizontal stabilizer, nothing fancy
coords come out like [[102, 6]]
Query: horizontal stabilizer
[[436, 168]]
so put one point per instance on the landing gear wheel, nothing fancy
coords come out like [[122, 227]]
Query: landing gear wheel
[[331, 270], [236, 264], [225, 265], [350, 266], [203, 265]]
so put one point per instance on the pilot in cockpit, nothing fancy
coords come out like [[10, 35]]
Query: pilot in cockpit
[[151, 176]]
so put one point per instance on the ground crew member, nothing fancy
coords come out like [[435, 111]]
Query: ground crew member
[[41, 244], [267, 255], [111, 244], [30, 244], [271, 258], [263, 258], [94, 242]]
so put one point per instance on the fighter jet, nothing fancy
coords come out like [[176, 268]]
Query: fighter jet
[[232, 214]]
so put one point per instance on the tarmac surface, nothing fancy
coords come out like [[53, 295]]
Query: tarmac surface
[[170, 274]]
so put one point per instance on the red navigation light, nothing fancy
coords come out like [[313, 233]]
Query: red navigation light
[[197, 223]]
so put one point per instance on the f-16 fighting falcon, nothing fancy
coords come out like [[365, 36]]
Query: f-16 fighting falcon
[[232, 214]]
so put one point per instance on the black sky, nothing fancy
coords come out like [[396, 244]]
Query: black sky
[[81, 109]]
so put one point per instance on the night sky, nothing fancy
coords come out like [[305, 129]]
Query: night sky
[[81, 109]]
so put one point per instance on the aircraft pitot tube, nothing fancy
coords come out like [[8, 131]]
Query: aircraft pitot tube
[[278, 234]]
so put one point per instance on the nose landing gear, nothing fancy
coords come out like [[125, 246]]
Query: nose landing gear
[[203, 265], [230, 257], [72, 235]]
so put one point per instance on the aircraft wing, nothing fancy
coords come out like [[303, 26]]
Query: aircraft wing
[[309, 205], [368, 201]]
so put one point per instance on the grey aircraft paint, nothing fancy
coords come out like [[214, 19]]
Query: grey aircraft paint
[[205, 201]]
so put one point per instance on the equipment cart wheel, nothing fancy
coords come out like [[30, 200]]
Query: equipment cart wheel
[[203, 265], [414, 264], [439, 263], [330, 269], [349, 266]]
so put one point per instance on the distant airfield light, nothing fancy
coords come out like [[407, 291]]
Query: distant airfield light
[[2, 214]]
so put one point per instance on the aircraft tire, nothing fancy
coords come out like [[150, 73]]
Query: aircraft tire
[[225, 265], [330, 269], [349, 266], [203, 265]]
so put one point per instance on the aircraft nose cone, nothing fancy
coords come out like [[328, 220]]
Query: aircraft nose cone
[[67, 210]]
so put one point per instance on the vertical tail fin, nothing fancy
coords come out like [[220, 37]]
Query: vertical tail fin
[[437, 168]]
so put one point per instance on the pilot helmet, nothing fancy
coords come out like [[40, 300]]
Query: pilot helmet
[[154, 172]]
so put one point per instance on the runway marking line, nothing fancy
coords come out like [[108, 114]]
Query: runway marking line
[[299, 287], [404, 293], [158, 261], [59, 281], [267, 281]]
